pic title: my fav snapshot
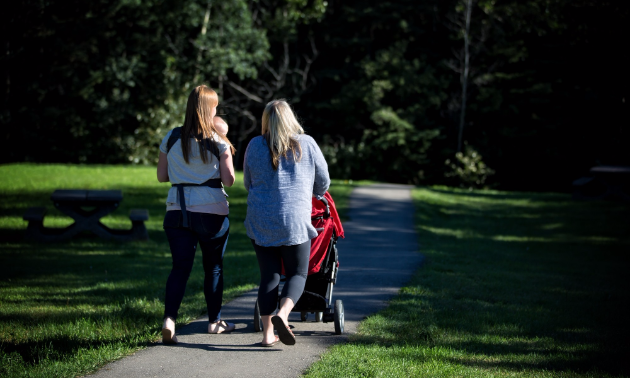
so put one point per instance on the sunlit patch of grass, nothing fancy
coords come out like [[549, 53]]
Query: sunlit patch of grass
[[513, 285], [68, 308]]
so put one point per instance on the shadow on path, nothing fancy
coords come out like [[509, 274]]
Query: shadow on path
[[377, 257]]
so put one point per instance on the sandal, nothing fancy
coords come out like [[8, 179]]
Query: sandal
[[168, 332], [284, 332], [220, 327]]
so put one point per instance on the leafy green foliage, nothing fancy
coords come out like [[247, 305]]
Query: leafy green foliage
[[469, 169], [528, 73], [106, 80], [378, 125], [103, 81]]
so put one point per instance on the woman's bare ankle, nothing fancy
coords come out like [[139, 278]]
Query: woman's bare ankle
[[169, 323], [283, 316]]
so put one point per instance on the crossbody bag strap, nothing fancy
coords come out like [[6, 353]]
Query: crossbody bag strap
[[212, 183], [175, 135]]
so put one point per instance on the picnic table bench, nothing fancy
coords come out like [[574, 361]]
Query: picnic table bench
[[604, 182], [86, 207]]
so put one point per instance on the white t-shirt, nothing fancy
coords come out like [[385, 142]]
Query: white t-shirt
[[201, 199]]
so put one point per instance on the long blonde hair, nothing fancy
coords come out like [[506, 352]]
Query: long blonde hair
[[198, 122], [280, 128]]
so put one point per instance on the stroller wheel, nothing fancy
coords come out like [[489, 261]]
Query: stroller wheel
[[339, 319], [319, 316], [304, 316], [258, 326]]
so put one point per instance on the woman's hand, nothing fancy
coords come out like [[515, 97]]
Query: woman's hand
[[162, 168]]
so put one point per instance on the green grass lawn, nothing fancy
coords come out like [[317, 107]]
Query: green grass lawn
[[514, 285], [68, 308]]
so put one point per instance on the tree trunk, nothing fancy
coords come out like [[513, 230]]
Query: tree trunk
[[464, 76], [204, 29]]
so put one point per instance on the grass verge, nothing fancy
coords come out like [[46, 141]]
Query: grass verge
[[514, 285], [68, 308]]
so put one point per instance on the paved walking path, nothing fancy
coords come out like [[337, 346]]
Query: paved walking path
[[377, 257]]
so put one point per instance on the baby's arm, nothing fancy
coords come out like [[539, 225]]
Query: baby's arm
[[220, 125]]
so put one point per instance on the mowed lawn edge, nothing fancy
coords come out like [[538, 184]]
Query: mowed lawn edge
[[513, 285], [68, 308]]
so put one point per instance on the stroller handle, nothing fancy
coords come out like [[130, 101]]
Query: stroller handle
[[327, 212]]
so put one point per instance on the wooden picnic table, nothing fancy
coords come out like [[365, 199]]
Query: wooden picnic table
[[86, 207], [604, 182]]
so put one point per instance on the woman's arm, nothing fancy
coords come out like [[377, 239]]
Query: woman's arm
[[247, 180], [322, 178], [227, 168], [162, 168]]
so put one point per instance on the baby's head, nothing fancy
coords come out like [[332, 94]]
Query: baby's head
[[220, 125]]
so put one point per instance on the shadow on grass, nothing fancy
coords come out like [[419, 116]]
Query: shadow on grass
[[517, 281], [60, 347], [58, 298], [49, 288]]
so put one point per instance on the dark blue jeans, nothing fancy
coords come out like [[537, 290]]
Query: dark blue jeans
[[211, 232]]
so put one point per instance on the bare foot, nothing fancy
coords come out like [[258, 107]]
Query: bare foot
[[271, 342], [220, 327], [168, 331]]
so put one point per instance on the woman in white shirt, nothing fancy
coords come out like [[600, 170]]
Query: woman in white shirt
[[197, 160]]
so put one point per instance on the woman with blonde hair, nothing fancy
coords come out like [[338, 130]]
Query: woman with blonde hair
[[283, 169], [197, 159]]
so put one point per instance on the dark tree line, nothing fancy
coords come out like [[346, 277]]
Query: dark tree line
[[534, 91]]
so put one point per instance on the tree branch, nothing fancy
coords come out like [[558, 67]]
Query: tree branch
[[245, 92]]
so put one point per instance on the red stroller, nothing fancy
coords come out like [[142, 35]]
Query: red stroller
[[322, 269]]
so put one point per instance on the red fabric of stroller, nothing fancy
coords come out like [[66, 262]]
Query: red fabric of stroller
[[324, 227]]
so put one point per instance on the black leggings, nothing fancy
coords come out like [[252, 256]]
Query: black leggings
[[211, 231], [270, 259]]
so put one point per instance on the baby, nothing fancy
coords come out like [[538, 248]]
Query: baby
[[220, 125]]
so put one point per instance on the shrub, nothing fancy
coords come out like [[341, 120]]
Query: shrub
[[468, 168]]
